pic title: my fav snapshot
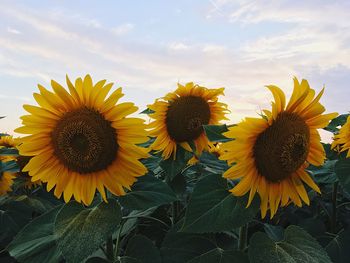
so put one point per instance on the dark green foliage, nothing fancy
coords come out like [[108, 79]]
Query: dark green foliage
[[212, 208], [147, 192], [297, 246], [342, 170], [215, 133], [36, 242], [142, 249], [79, 231]]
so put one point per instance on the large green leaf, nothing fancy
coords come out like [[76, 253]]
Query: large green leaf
[[342, 170], [336, 122], [147, 192], [172, 166], [215, 133], [10, 166], [297, 247], [4, 151], [36, 242], [212, 164], [141, 248], [326, 173], [80, 231], [181, 247], [212, 208], [339, 248], [218, 255]]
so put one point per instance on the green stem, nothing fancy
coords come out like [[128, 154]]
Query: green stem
[[109, 249], [334, 208], [243, 236], [117, 241], [147, 217]]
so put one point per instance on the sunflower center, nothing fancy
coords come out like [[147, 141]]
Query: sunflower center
[[84, 141], [282, 148], [185, 117]]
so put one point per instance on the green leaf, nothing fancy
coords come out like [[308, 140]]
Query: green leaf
[[274, 232], [342, 170], [147, 111], [336, 122], [128, 260], [324, 174], [36, 242], [97, 260], [142, 249], [218, 255], [297, 247], [338, 248], [10, 166], [4, 151], [212, 164], [214, 133], [80, 231], [181, 247], [212, 208], [147, 192], [38, 204], [173, 167]]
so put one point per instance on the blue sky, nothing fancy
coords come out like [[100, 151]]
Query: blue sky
[[146, 47]]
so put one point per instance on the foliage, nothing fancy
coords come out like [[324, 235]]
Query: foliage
[[179, 213]]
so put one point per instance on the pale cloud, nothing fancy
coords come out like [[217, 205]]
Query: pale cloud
[[214, 49], [123, 29], [13, 31], [26, 99], [178, 46]]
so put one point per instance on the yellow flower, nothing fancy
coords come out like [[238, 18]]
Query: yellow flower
[[6, 180], [22, 161], [179, 116], [8, 142], [272, 152], [342, 139], [82, 140]]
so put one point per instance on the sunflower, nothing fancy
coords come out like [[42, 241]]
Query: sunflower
[[342, 139], [6, 180], [271, 153], [179, 118], [7, 141], [82, 140], [22, 161]]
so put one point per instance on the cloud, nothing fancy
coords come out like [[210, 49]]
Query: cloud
[[13, 31], [178, 46], [54, 44], [123, 29]]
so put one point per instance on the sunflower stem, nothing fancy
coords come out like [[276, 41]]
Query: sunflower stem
[[117, 240], [243, 237], [109, 249], [334, 208]]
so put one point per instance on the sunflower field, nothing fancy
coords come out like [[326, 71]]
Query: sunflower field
[[91, 179]]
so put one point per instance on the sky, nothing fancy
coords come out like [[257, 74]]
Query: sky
[[147, 47]]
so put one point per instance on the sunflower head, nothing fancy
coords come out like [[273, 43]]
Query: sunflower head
[[272, 152], [22, 161], [6, 181], [7, 142], [341, 140], [82, 140], [180, 115]]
